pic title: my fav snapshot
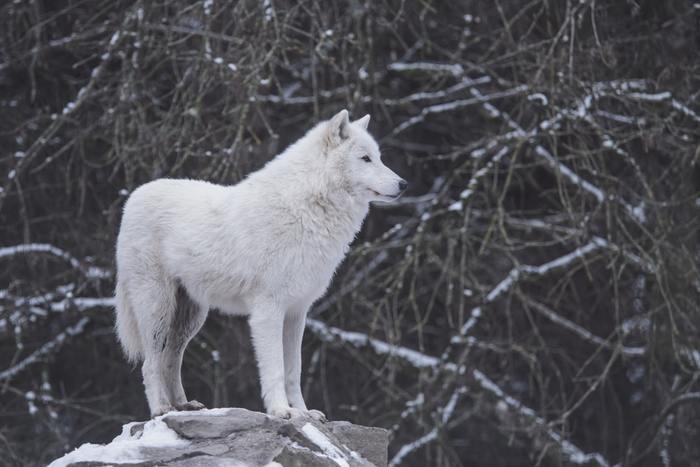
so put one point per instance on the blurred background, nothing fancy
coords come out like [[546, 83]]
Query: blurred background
[[532, 300]]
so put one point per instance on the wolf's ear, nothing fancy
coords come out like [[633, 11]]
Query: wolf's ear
[[362, 122], [338, 128]]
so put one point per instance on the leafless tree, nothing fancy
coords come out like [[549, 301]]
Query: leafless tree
[[533, 300]]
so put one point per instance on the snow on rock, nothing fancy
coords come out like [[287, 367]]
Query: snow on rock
[[329, 449], [235, 437], [128, 446]]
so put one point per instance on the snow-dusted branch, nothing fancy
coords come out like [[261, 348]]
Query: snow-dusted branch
[[534, 423], [45, 349], [451, 68], [558, 166], [684, 109], [524, 270], [445, 415], [457, 104], [474, 180], [82, 303], [568, 450], [69, 108], [465, 83], [644, 264], [38, 247], [331, 334], [288, 99], [569, 174], [583, 333], [92, 272], [666, 96]]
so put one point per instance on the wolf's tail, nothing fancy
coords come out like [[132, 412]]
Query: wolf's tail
[[127, 328]]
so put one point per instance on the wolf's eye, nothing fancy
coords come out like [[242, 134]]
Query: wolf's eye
[[366, 159]]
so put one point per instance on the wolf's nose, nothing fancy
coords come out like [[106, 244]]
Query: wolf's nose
[[402, 184]]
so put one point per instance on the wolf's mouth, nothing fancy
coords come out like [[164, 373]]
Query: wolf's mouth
[[382, 195]]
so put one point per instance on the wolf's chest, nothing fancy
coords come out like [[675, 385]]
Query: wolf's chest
[[316, 257], [306, 267]]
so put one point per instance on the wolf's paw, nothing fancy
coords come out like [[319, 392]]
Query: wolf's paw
[[191, 405], [285, 412], [162, 410], [317, 415]]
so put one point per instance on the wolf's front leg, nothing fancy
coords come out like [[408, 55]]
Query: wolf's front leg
[[266, 329], [294, 323]]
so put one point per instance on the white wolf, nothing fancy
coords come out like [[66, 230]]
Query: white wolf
[[266, 247]]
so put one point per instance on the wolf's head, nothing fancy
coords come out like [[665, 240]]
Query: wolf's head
[[354, 156]]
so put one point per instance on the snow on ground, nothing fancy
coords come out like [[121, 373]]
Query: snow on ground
[[125, 447]]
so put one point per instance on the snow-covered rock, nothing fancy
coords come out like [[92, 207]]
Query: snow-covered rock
[[237, 438]]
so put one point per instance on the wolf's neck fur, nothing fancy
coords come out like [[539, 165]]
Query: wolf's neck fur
[[303, 180]]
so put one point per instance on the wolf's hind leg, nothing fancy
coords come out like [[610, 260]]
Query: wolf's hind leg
[[187, 321], [158, 401], [155, 299]]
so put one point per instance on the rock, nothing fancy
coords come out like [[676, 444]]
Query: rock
[[235, 438]]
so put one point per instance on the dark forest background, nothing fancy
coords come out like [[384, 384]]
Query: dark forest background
[[532, 300]]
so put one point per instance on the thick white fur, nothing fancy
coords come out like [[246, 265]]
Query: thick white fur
[[266, 247]]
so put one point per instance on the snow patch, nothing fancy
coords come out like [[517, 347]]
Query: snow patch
[[125, 447], [207, 5], [638, 213], [538, 96], [456, 206], [661, 96], [329, 449], [267, 10], [209, 412], [453, 69]]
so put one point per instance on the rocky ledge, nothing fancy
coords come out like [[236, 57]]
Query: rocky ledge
[[235, 437]]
